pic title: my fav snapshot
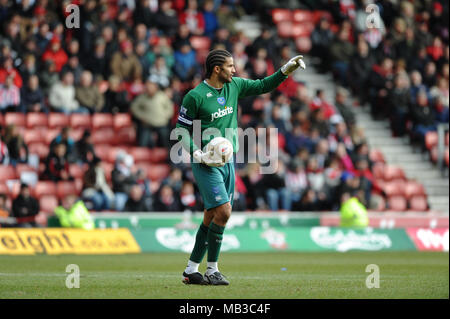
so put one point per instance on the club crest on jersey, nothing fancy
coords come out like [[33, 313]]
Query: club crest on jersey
[[221, 113], [221, 100], [183, 110]]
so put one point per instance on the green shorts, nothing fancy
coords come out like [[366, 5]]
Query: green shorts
[[216, 184]]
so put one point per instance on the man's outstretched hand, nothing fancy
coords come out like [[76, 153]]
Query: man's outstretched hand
[[293, 65]]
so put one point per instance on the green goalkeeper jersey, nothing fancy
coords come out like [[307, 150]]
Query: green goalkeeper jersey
[[217, 109]]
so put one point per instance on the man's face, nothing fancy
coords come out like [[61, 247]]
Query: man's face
[[227, 70]]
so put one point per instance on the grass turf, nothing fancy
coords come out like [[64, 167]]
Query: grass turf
[[252, 275]]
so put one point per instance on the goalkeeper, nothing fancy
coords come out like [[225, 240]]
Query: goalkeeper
[[214, 102]]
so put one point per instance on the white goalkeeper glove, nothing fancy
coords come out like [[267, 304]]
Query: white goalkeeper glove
[[207, 158], [293, 65]]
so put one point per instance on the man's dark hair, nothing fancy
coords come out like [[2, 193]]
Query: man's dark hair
[[215, 57]]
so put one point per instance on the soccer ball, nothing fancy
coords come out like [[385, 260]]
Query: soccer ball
[[221, 148]]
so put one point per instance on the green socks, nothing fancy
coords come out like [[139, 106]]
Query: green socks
[[215, 235], [200, 244]]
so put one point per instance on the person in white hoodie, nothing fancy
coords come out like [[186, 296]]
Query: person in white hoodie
[[62, 96]]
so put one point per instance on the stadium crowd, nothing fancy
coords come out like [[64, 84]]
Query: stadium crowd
[[141, 57]]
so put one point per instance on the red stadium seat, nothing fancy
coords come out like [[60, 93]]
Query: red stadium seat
[[34, 136], [122, 120], [102, 120], [48, 203], [37, 120], [2, 120], [18, 119], [104, 136], [4, 189], [24, 168], [413, 188], [200, 43], [395, 188], [58, 120], [303, 16], [7, 172], [43, 188], [65, 188], [303, 29], [376, 156], [50, 135], [40, 149], [102, 151], [125, 136], [77, 171], [158, 172], [397, 203], [279, 15], [159, 155], [318, 14], [431, 139], [140, 154], [284, 29], [418, 203], [80, 121], [393, 172], [113, 153], [303, 44], [76, 134], [378, 170]]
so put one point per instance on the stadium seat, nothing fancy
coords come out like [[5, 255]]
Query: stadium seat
[[102, 120], [77, 171], [434, 154], [40, 149], [80, 121], [48, 203], [50, 134], [431, 139], [158, 172], [35, 119], [7, 172], [378, 170], [122, 120], [64, 188], [200, 43], [76, 134], [43, 188], [18, 119], [140, 154], [114, 151], [397, 203], [303, 29], [303, 44], [319, 14], [413, 188], [303, 16], [34, 136], [201, 56], [279, 15], [24, 168], [418, 203], [58, 120], [4, 189], [102, 151], [395, 188], [381, 205], [2, 120], [104, 136], [393, 172], [284, 29], [125, 136], [159, 155], [376, 155]]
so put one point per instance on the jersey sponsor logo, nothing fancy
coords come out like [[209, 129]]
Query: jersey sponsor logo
[[221, 113], [221, 100]]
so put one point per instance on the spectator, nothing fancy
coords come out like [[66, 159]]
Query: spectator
[[96, 192], [160, 72], [56, 54], [9, 96], [28, 68], [57, 165], [341, 52], [136, 202], [25, 208], [116, 98], [278, 196], [359, 71], [423, 117], [122, 179], [193, 18], [211, 21], [83, 150], [4, 210], [189, 200], [48, 77], [62, 96], [380, 82], [174, 180], [320, 102], [88, 95], [186, 66], [296, 180], [344, 108], [321, 38], [4, 154], [125, 63], [17, 149], [97, 61], [65, 138], [166, 201], [399, 99], [8, 70], [73, 65], [167, 19], [153, 111], [32, 97]]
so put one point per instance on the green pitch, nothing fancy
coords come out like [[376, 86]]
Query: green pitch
[[252, 275]]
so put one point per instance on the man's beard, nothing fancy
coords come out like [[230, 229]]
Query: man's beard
[[224, 79]]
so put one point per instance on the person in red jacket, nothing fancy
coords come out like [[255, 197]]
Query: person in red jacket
[[56, 54], [193, 18], [8, 69]]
